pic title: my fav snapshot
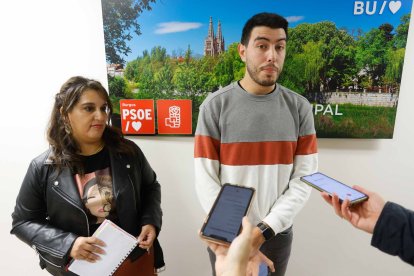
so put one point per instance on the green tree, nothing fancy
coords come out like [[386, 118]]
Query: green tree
[[371, 54], [158, 58], [395, 62], [117, 87], [119, 19], [313, 63], [303, 71], [146, 81], [338, 55], [185, 80], [387, 29], [187, 55], [158, 54], [400, 38], [229, 67], [191, 76], [291, 75], [131, 72], [207, 79], [135, 68], [164, 80], [192, 80]]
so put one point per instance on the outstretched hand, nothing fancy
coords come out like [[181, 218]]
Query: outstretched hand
[[363, 215], [238, 259]]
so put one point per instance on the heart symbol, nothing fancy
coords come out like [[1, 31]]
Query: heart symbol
[[136, 125], [394, 6]]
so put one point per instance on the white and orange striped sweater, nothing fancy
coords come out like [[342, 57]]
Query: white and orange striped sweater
[[266, 142]]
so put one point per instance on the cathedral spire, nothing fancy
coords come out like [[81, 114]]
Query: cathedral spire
[[219, 35], [210, 28], [219, 40], [214, 45]]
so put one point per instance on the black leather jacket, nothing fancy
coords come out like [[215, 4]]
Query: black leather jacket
[[49, 213]]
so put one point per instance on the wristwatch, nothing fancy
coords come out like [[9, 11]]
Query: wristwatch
[[267, 231]]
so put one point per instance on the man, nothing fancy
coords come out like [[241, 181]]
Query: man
[[257, 133], [392, 225]]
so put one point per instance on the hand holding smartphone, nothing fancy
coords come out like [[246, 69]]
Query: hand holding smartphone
[[329, 185], [224, 220]]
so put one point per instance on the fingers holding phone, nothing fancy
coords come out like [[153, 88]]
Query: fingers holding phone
[[362, 215], [238, 259]]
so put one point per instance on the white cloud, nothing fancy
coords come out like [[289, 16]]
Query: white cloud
[[295, 18], [176, 27]]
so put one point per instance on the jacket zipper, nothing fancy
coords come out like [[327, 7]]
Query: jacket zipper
[[47, 251], [71, 203], [130, 180], [133, 188]]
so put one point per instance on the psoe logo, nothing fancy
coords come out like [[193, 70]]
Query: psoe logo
[[375, 7]]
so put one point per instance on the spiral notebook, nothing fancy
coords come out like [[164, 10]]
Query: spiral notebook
[[119, 244]]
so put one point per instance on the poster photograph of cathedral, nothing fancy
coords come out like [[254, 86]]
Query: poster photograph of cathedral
[[164, 57]]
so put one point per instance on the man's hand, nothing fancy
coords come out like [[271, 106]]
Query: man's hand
[[362, 215], [87, 248], [147, 236]]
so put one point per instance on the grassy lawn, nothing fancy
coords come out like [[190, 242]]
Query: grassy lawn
[[357, 121]]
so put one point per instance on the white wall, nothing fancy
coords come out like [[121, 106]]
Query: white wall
[[45, 42]]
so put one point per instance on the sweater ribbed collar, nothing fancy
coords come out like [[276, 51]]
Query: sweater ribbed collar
[[239, 90]]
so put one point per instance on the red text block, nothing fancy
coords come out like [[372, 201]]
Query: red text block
[[137, 116]]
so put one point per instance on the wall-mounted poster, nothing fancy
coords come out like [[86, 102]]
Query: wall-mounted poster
[[346, 57]]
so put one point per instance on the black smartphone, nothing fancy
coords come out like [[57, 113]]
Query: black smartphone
[[327, 184], [224, 221]]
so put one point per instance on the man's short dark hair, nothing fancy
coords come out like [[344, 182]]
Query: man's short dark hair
[[271, 20]]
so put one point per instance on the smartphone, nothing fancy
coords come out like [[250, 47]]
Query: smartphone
[[327, 184], [224, 221]]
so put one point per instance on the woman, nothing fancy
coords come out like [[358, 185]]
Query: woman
[[50, 214]]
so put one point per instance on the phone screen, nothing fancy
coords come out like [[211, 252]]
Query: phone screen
[[224, 220], [330, 185]]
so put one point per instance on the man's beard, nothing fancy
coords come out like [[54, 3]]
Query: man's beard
[[254, 75]]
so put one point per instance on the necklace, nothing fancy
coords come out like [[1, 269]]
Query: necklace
[[96, 151]]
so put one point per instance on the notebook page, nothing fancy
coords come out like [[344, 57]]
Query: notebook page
[[118, 246]]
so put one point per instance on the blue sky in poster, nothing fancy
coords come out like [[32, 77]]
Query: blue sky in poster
[[175, 24]]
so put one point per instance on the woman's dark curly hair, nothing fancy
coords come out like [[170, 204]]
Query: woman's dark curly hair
[[65, 148]]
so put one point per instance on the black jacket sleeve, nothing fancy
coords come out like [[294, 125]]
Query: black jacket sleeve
[[394, 232], [151, 194], [30, 223]]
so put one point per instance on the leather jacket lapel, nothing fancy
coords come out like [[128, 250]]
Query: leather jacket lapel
[[119, 173], [65, 183], [125, 193]]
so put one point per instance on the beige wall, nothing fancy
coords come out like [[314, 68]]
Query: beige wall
[[45, 42]]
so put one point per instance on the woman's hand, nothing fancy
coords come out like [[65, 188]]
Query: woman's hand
[[87, 248], [147, 236]]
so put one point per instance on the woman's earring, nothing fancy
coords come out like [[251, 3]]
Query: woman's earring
[[67, 128]]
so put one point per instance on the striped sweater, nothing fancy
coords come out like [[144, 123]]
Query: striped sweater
[[266, 142]]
